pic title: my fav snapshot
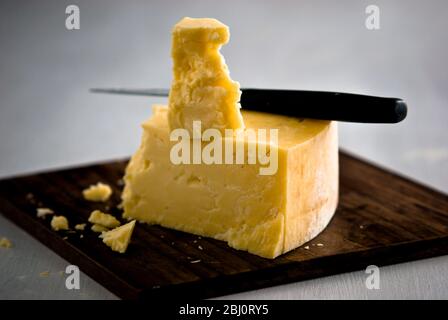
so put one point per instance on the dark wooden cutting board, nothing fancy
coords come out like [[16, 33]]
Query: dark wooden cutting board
[[381, 219]]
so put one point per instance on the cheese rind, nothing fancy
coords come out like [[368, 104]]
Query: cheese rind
[[264, 214], [202, 88]]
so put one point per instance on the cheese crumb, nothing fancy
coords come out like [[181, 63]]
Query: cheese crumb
[[195, 261], [307, 247], [118, 239], [104, 219], [59, 223], [100, 192], [5, 243], [44, 274], [320, 244], [80, 226], [99, 228], [43, 212]]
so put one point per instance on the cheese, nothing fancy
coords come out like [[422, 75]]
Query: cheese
[[5, 243], [43, 212], [80, 226], [98, 228], [201, 88], [103, 219], [44, 274], [59, 223], [118, 239], [100, 192], [264, 214]]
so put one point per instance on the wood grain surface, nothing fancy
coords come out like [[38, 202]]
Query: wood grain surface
[[381, 219]]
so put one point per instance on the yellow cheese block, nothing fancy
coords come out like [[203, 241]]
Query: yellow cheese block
[[201, 88], [266, 215]]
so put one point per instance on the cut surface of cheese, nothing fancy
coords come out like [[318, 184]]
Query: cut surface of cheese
[[266, 215], [202, 88], [118, 239]]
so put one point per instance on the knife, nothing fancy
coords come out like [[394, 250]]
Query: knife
[[322, 105]]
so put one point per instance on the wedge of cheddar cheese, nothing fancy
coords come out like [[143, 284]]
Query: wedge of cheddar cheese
[[266, 215], [202, 88]]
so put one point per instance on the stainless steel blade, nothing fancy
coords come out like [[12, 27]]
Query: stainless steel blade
[[139, 92]]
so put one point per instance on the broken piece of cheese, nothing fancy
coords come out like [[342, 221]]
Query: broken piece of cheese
[[59, 223], [118, 239], [202, 88], [103, 219], [99, 192], [266, 215]]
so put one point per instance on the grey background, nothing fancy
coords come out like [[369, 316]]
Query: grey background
[[49, 120]]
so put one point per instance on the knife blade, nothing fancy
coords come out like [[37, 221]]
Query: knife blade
[[321, 105]]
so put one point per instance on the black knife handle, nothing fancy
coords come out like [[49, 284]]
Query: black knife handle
[[325, 105]]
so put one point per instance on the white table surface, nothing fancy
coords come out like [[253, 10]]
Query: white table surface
[[49, 120]]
